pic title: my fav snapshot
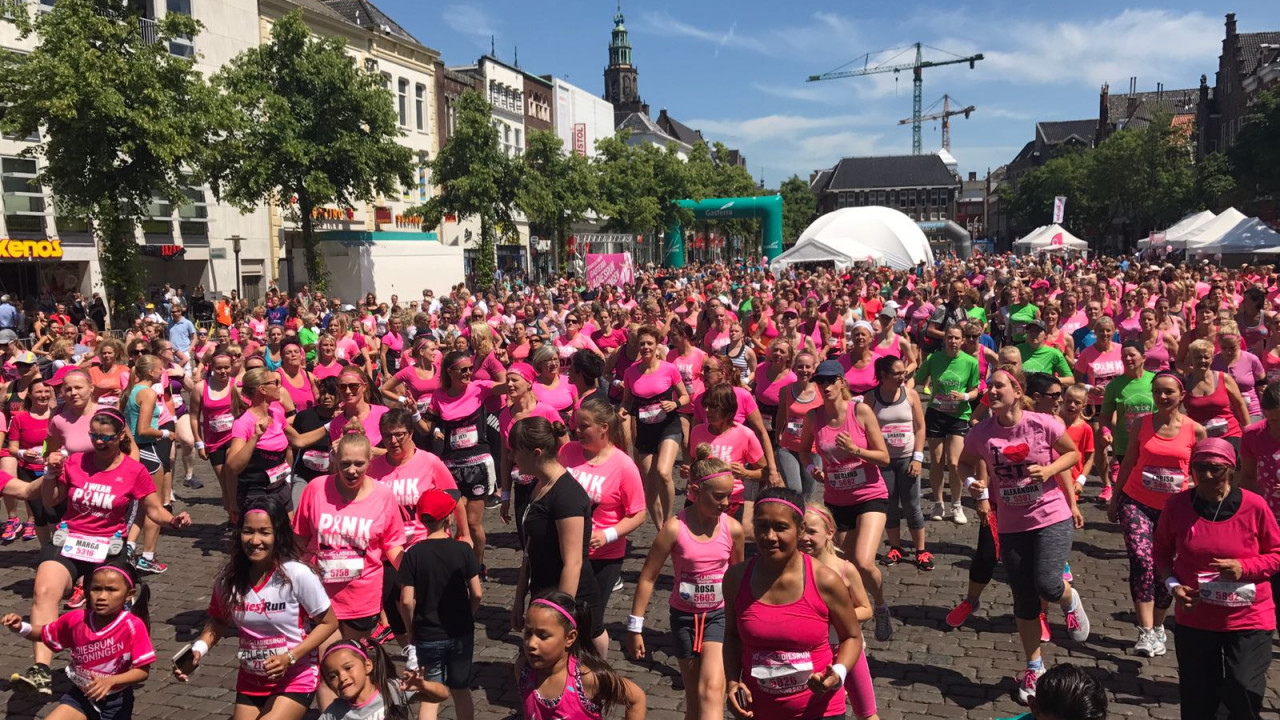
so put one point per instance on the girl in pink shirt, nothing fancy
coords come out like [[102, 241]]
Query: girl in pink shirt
[[653, 392], [688, 359], [414, 384], [357, 408], [258, 462], [733, 444]]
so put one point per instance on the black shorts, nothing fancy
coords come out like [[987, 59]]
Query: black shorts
[[649, 437], [938, 425], [261, 701], [149, 456], [447, 661], [607, 573], [361, 624], [116, 706], [690, 630], [475, 481], [79, 568], [41, 515], [164, 447], [219, 456], [846, 516]]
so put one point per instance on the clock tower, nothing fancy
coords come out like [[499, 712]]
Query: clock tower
[[621, 78]]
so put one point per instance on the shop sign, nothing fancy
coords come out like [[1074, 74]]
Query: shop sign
[[580, 139], [382, 215], [408, 221], [217, 253], [30, 249], [164, 252]]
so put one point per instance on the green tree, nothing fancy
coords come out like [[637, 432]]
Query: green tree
[[1256, 152], [310, 127], [798, 208], [1143, 177], [627, 195], [556, 191], [476, 179], [1215, 184], [1029, 202], [121, 121]]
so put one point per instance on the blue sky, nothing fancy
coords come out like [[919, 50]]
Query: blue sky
[[736, 70]]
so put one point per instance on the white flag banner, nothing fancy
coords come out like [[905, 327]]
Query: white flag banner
[[1059, 209]]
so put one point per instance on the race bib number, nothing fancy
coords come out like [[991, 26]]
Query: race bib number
[[1021, 493], [781, 673], [86, 549], [1216, 427], [424, 406], [847, 478], [704, 592], [279, 475], [464, 437], [222, 423], [945, 403], [1226, 593], [1163, 480], [109, 401], [898, 435], [83, 677], [794, 426], [340, 565], [652, 413], [316, 460], [254, 652]]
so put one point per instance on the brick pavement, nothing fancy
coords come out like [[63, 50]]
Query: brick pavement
[[926, 671]]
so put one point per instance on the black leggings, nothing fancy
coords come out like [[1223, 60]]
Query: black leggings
[[1222, 668], [983, 563]]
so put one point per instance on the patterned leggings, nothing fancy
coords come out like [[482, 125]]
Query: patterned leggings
[[1139, 524]]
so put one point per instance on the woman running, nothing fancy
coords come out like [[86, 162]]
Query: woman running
[[552, 387], [1243, 366], [258, 460], [212, 407], [859, 362], [1213, 398], [28, 432], [716, 370], [109, 376], [308, 434], [265, 592], [688, 359], [175, 388], [1157, 465], [778, 606], [143, 410], [1035, 510], [653, 392], [702, 541], [599, 462], [794, 403], [521, 404], [413, 385], [953, 378], [769, 381], [901, 417]]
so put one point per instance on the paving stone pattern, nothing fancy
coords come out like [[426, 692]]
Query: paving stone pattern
[[926, 671]]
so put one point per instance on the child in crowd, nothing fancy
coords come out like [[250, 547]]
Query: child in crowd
[[110, 646], [1065, 692], [363, 677], [442, 591], [559, 673]]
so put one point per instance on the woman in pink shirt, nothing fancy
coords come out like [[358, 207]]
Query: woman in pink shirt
[[860, 362], [294, 378], [347, 525], [26, 438], [392, 346], [1216, 547], [327, 363], [601, 465], [572, 340], [414, 383], [211, 405], [688, 359], [1243, 366], [653, 392], [553, 387], [771, 378], [1013, 451], [1213, 398], [794, 403], [734, 444], [1159, 346], [357, 408], [1260, 461], [607, 336], [258, 457], [1100, 363]]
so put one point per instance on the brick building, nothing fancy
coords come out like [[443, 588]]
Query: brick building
[[1249, 63]]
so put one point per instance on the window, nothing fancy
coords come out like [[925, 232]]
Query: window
[[193, 216], [911, 198], [182, 45], [24, 205], [403, 98], [893, 198], [419, 104], [518, 145]]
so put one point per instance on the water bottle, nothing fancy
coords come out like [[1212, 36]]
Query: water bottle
[[117, 544], [60, 535]]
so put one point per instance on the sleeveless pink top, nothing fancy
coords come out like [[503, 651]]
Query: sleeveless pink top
[[1214, 406], [849, 480], [1157, 358], [302, 397], [217, 418], [698, 567], [571, 705]]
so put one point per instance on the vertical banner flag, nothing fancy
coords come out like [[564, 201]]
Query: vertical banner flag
[[1059, 209], [609, 269], [580, 139]]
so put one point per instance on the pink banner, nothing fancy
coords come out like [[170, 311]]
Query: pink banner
[[609, 269]]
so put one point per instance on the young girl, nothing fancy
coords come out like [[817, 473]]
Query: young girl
[[562, 678], [110, 646], [363, 678], [817, 541], [1074, 399], [703, 541]]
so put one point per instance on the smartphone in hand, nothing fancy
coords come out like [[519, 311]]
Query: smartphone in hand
[[185, 660]]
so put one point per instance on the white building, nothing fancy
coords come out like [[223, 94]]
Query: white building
[[581, 119]]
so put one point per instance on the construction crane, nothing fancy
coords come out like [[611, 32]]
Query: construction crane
[[945, 116], [917, 81]]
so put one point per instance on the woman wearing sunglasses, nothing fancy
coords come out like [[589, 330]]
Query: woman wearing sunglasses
[[258, 461], [357, 409], [1215, 547]]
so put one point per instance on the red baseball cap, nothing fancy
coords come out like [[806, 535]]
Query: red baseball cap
[[61, 373], [436, 504]]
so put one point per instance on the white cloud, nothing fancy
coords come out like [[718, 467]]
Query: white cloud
[[470, 20], [822, 39], [663, 23]]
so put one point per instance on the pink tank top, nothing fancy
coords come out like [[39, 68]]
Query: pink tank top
[[1214, 406], [217, 418], [894, 349], [333, 369], [571, 705], [782, 645], [302, 397], [698, 567], [793, 419], [1157, 358], [849, 480], [1163, 466], [862, 379]]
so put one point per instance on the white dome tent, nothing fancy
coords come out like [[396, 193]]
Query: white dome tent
[[876, 235]]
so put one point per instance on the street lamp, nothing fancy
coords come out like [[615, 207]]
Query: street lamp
[[235, 248]]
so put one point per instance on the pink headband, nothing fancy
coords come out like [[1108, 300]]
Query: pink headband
[[128, 580], [524, 370], [1013, 379], [111, 413], [558, 609], [256, 510], [340, 646], [454, 364], [780, 501], [1175, 377], [714, 475]]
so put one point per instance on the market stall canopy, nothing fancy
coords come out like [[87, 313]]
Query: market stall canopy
[[877, 235], [1209, 232], [1250, 235], [1180, 229], [1051, 238], [1026, 239]]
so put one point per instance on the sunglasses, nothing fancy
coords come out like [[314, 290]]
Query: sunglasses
[[1210, 469], [466, 370], [1054, 395], [103, 437], [353, 387], [972, 337], [825, 380]]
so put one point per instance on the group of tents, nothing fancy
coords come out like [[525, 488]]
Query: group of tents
[[1227, 233]]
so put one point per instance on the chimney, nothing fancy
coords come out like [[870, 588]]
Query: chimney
[[1231, 25], [1104, 111]]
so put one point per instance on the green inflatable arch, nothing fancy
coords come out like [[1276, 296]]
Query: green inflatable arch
[[766, 207]]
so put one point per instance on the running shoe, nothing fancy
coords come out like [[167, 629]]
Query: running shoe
[[1077, 619], [1066, 573], [1027, 684], [617, 585], [1045, 634], [35, 679], [29, 531], [1146, 645], [151, 566], [410, 653], [77, 599], [484, 573], [492, 502], [11, 529], [891, 558], [192, 482], [961, 612], [1160, 639], [382, 634], [924, 560], [936, 512], [957, 514], [1105, 495], [884, 623]]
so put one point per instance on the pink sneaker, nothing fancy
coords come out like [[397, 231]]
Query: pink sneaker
[[1105, 495], [1045, 634], [960, 613], [11, 530], [29, 531]]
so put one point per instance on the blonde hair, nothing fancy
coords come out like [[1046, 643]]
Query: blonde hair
[[827, 519], [1228, 327], [482, 335], [1201, 346], [253, 380]]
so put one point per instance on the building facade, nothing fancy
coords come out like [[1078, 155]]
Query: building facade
[[581, 118], [538, 95], [1249, 63]]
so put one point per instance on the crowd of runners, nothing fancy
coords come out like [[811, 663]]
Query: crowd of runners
[[777, 431]]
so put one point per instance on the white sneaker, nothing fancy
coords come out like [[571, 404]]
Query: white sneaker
[[1146, 645], [957, 514], [1077, 619], [1027, 684], [1159, 645], [937, 511]]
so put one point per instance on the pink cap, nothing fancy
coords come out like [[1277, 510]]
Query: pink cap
[[1214, 450], [60, 375], [524, 370]]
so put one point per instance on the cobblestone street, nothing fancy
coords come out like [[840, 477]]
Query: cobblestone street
[[926, 671]]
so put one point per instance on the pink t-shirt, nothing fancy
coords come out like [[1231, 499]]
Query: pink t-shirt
[[30, 432], [74, 433], [1099, 368], [746, 406], [738, 444], [347, 349], [408, 481], [273, 440], [1022, 503], [614, 488], [370, 425], [98, 500], [347, 542], [419, 389], [1258, 443], [690, 368], [645, 385], [562, 397], [122, 645], [333, 369]]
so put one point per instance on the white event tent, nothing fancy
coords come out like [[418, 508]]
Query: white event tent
[[1209, 232], [876, 235], [1050, 238], [1180, 229], [1248, 236]]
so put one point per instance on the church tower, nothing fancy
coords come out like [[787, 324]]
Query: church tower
[[621, 79]]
